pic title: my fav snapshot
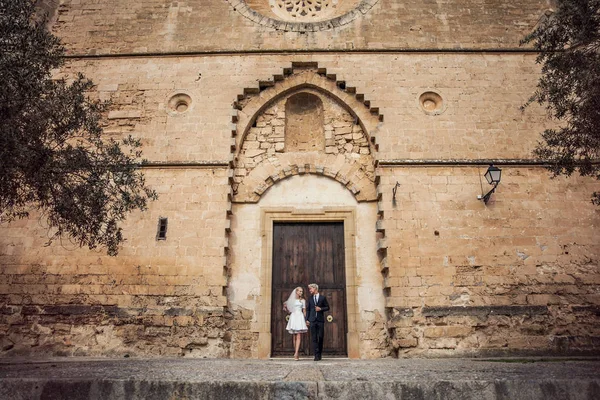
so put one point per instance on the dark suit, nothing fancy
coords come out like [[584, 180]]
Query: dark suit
[[317, 322]]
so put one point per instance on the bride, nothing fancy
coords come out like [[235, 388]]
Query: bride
[[296, 326]]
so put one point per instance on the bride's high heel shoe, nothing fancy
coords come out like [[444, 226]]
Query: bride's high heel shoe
[[296, 357]]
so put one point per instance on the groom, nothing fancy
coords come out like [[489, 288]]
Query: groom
[[317, 305]]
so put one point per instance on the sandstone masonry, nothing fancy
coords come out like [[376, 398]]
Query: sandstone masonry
[[383, 115]]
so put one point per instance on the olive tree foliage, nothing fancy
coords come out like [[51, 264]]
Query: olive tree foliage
[[53, 157], [568, 41]]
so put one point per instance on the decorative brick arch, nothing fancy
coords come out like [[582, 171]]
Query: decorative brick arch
[[262, 178], [304, 76]]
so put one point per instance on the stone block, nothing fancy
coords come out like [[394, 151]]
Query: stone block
[[434, 332], [125, 114]]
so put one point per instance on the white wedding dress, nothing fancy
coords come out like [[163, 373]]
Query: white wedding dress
[[297, 323]]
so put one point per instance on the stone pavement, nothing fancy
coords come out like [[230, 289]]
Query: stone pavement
[[414, 379]]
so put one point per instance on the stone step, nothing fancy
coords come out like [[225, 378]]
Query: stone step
[[77, 378]]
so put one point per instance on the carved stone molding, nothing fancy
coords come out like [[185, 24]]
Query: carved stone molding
[[301, 15]]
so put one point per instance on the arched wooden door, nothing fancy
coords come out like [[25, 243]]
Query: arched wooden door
[[303, 253]]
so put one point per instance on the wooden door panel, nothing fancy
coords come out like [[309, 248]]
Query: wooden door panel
[[304, 253], [328, 256], [335, 323], [289, 258]]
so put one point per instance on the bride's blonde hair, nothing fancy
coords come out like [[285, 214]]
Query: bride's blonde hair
[[296, 291]]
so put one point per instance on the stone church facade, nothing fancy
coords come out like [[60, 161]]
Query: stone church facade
[[367, 126]]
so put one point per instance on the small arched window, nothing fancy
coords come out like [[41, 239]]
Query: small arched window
[[304, 123]]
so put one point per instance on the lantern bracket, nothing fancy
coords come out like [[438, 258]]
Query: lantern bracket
[[493, 176]]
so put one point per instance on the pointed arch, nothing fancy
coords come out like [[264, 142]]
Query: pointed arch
[[249, 108], [356, 173]]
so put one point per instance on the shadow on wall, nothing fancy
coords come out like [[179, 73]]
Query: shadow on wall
[[48, 8]]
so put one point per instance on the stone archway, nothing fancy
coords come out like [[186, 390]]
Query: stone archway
[[263, 162], [302, 199]]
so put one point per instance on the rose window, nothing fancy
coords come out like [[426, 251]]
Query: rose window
[[302, 15], [303, 7], [304, 10]]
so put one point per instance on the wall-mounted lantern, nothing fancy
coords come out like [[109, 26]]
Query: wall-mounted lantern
[[493, 176]]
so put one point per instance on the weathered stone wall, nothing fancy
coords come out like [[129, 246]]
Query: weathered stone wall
[[437, 271], [518, 275], [182, 109], [481, 119], [158, 297], [112, 26], [48, 9]]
